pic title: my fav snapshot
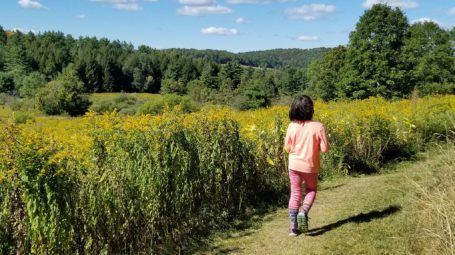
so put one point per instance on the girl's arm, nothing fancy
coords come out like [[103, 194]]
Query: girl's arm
[[324, 144], [288, 140]]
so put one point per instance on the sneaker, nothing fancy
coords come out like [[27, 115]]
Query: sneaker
[[302, 220], [293, 232]]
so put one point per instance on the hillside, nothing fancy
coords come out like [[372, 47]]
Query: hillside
[[269, 58]]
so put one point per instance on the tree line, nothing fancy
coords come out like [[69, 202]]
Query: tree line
[[275, 58], [386, 56], [41, 64]]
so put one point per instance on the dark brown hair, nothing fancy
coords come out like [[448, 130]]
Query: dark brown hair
[[301, 109]]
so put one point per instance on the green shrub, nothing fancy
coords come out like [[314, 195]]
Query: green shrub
[[253, 98], [22, 117], [6, 83], [31, 84], [171, 86], [23, 104], [168, 101], [437, 88], [124, 103], [6, 99], [63, 95]]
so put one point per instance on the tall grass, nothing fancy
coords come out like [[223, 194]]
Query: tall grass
[[120, 184], [436, 205]]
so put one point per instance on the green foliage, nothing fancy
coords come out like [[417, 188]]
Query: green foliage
[[123, 104], [276, 58], [386, 57], [6, 83], [232, 71], [63, 95], [40, 195], [253, 97], [145, 190], [171, 86], [429, 54], [325, 74], [2, 36], [292, 80], [373, 49], [22, 117], [6, 99], [436, 88], [16, 56], [168, 102], [22, 104], [209, 76], [31, 84]]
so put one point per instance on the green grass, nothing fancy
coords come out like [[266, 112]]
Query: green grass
[[96, 97], [378, 214]]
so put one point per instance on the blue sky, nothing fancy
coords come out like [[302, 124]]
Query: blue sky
[[233, 25]]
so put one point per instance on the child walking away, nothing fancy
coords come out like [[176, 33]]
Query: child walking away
[[304, 141]]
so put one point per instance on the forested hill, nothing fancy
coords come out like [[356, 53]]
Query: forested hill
[[275, 58]]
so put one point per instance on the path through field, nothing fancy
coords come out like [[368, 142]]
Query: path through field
[[354, 215]]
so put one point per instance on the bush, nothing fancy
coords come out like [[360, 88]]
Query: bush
[[437, 88], [169, 102], [23, 104], [6, 99], [124, 103], [171, 86], [63, 95], [22, 117], [253, 98], [31, 84], [6, 83]]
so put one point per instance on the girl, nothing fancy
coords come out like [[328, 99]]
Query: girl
[[305, 139]]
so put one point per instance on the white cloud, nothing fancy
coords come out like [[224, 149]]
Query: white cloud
[[197, 2], [240, 20], [81, 16], [310, 12], [452, 11], [219, 31], [308, 38], [402, 4], [128, 6], [22, 30], [124, 5], [423, 20], [31, 4], [255, 1], [203, 10], [247, 1]]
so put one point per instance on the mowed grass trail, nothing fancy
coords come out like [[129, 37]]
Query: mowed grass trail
[[353, 215]]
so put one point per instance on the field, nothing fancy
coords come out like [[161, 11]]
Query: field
[[113, 183]]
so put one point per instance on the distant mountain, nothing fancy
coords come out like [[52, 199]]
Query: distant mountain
[[275, 58]]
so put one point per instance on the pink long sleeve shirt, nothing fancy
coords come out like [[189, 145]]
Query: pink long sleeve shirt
[[304, 142]]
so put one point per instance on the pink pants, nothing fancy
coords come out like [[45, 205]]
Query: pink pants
[[311, 185]]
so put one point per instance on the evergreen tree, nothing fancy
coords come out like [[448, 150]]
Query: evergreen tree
[[2, 36], [16, 57], [233, 71], [209, 76]]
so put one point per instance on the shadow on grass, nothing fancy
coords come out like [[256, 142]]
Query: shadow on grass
[[243, 226], [331, 187], [359, 218]]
